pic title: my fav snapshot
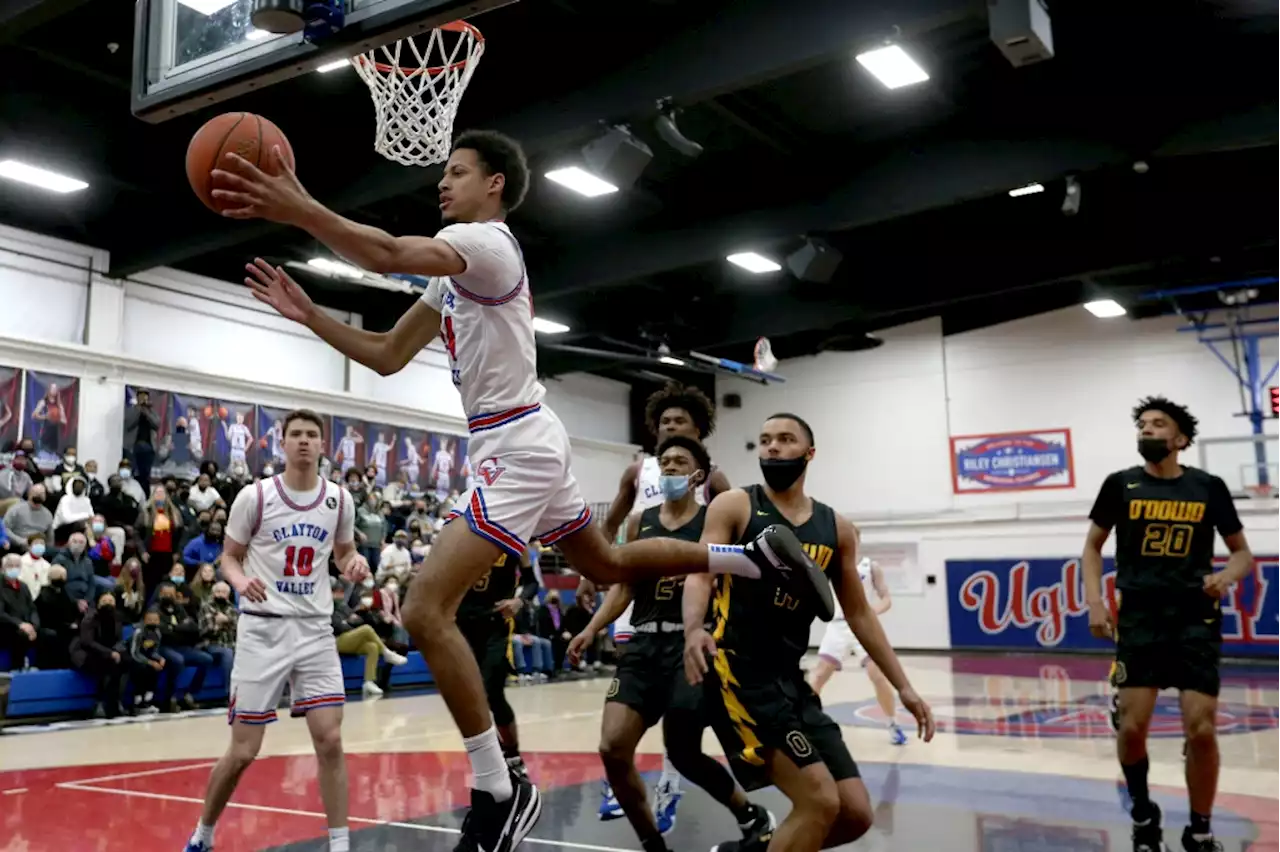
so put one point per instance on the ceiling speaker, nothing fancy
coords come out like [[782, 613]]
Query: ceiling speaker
[[814, 261]]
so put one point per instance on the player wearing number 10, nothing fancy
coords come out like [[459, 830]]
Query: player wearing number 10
[[279, 536], [1169, 631]]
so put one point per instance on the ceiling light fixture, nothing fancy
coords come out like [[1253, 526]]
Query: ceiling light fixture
[[43, 178], [546, 326], [335, 268], [753, 262], [581, 182], [1105, 308], [207, 7], [892, 66], [334, 66], [1029, 189], [674, 362]]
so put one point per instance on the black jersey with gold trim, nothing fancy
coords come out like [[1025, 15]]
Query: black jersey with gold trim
[[661, 599], [498, 584]]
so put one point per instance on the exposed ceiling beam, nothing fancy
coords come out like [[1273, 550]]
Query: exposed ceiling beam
[[752, 42]]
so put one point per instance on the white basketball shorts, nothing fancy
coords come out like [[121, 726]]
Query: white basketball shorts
[[839, 642], [273, 651], [622, 628], [523, 486]]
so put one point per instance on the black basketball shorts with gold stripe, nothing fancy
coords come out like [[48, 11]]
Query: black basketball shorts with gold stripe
[[751, 716]]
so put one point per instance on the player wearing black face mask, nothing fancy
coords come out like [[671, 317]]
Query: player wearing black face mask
[[1169, 628]]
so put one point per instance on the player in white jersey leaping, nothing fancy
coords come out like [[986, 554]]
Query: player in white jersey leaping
[[673, 410], [279, 536], [839, 643], [479, 303]]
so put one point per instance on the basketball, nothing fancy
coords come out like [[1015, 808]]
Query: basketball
[[208, 411], [222, 412], [244, 133]]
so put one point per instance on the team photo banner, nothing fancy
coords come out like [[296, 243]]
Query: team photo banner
[[1012, 461], [1039, 605]]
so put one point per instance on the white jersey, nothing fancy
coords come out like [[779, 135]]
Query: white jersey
[[238, 437], [347, 449], [276, 442], [649, 487], [193, 436], [380, 451], [290, 537], [864, 574], [443, 465], [486, 321]]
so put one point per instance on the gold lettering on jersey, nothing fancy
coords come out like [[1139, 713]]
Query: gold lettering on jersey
[[1167, 539], [665, 589], [1176, 511], [483, 583], [820, 554], [784, 600]]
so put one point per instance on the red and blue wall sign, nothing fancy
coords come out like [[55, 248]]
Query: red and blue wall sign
[[1039, 604], [1012, 461]]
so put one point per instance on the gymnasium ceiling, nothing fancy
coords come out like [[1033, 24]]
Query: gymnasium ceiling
[[910, 185]]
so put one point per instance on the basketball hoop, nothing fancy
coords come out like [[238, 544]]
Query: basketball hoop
[[765, 362], [416, 90]]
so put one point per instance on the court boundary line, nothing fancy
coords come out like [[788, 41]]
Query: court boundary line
[[144, 773], [439, 829]]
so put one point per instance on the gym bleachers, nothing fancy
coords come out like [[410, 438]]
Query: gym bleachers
[[66, 692]]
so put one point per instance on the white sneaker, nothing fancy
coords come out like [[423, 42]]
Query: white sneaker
[[393, 658], [372, 690]]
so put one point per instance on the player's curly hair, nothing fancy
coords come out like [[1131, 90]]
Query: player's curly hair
[[701, 457], [1184, 419], [501, 155], [675, 395]]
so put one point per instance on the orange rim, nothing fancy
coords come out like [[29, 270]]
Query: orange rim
[[435, 70]]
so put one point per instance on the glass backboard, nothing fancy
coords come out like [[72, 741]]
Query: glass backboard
[[1243, 462], [189, 54]]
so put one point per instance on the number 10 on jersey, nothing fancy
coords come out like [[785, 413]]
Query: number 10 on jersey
[[298, 561]]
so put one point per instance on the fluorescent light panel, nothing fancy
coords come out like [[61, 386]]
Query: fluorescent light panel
[[207, 7], [581, 181], [674, 362], [753, 262], [1105, 308], [546, 326], [335, 268], [43, 178], [1029, 189], [334, 66], [892, 66]]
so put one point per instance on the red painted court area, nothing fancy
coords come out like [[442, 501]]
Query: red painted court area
[[141, 807]]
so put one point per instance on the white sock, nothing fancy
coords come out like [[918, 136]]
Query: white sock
[[730, 559], [203, 834], [340, 839], [488, 765], [670, 777]]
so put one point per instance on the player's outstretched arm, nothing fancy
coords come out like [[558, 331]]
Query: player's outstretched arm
[[881, 586], [622, 502], [383, 352]]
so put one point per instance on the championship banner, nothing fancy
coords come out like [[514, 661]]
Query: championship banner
[[382, 452], [234, 442], [188, 424], [270, 434], [1039, 604], [52, 416], [348, 444], [447, 472], [10, 393], [413, 457], [1012, 461]]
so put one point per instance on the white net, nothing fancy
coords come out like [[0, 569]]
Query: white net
[[417, 84]]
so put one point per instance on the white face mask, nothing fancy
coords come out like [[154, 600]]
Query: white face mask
[[393, 588], [70, 460], [366, 602]]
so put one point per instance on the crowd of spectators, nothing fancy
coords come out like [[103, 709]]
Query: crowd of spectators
[[121, 579]]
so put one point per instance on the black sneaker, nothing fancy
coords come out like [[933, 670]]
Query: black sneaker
[[742, 845], [516, 764], [779, 553], [500, 826], [758, 830], [1148, 836], [1204, 844]]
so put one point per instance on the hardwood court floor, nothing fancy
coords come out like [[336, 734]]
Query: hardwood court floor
[[1024, 759]]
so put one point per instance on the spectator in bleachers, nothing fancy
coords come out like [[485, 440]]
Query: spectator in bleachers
[[35, 568], [371, 530], [130, 593], [530, 652], [417, 552], [386, 611], [237, 477], [129, 484], [206, 547], [355, 636], [141, 433], [202, 585], [27, 517], [196, 528], [218, 618], [356, 486], [99, 652], [28, 448], [15, 481], [179, 636], [203, 495], [19, 619], [73, 510], [146, 663], [576, 619], [219, 516], [551, 626], [397, 492], [158, 528], [395, 559], [120, 511], [419, 517], [96, 489], [101, 553], [59, 620], [69, 470], [4, 539], [81, 585]]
